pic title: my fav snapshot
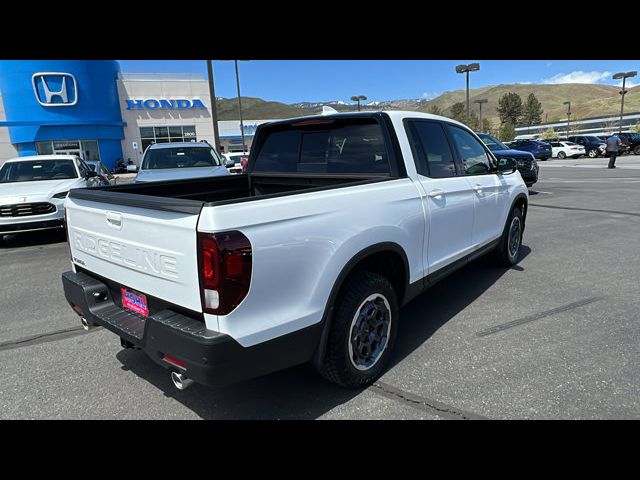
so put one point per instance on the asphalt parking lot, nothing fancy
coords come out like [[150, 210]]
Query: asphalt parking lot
[[556, 337]]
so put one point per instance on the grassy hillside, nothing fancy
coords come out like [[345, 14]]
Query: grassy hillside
[[257, 109], [587, 100]]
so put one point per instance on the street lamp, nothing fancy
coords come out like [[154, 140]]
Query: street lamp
[[568, 116], [472, 67], [244, 146], [357, 98], [480, 102], [623, 76], [214, 106]]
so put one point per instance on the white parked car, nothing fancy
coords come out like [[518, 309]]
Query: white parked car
[[233, 161], [33, 190], [564, 149], [340, 220], [179, 161]]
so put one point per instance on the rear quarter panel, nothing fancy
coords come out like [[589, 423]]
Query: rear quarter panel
[[300, 244]]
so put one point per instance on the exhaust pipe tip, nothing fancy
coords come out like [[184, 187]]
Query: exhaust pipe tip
[[85, 324], [180, 381]]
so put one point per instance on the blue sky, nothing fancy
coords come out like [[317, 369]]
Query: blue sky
[[292, 81]]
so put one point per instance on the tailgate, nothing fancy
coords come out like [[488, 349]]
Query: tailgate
[[142, 242]]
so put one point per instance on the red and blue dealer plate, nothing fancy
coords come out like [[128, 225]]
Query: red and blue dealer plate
[[136, 302]]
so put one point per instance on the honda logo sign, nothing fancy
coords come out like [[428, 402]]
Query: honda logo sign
[[55, 89]]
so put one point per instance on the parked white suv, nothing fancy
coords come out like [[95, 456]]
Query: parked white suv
[[33, 189], [340, 220]]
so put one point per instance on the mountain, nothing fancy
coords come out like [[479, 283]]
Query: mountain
[[258, 109], [587, 100]]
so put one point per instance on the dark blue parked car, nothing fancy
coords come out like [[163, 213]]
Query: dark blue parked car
[[540, 150], [525, 161]]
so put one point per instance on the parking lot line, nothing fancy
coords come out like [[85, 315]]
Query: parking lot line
[[537, 316], [431, 406], [595, 210]]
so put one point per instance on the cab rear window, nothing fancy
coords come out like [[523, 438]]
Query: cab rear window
[[355, 146]]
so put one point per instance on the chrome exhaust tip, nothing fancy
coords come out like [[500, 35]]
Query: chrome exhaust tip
[[85, 324], [180, 381]]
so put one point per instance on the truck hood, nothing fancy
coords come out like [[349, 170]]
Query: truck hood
[[179, 173], [23, 192]]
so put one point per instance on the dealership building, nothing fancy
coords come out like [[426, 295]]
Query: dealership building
[[92, 109]]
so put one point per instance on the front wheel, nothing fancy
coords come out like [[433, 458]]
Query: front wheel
[[363, 330], [508, 250], [562, 155], [593, 153], [636, 151]]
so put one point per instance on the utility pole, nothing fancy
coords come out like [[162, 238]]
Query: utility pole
[[623, 76], [214, 106]]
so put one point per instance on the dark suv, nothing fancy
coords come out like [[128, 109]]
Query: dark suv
[[525, 161], [632, 140], [540, 150], [593, 145]]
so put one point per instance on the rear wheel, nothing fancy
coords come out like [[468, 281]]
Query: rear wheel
[[636, 150], [562, 155], [508, 250], [363, 331], [593, 153]]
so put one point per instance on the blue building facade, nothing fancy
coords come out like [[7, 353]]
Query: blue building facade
[[63, 106]]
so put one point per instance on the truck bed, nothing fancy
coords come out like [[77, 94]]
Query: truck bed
[[190, 195]]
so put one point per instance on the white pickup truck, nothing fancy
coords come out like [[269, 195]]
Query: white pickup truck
[[339, 221]]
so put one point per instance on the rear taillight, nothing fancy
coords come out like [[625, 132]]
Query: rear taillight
[[225, 262]]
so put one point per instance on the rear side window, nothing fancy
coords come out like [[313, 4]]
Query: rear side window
[[434, 158], [348, 146]]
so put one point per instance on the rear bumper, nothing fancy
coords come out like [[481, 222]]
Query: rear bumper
[[210, 358]]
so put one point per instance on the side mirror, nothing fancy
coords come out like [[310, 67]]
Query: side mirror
[[506, 165], [90, 173]]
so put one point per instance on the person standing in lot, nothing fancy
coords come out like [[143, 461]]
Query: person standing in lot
[[613, 147]]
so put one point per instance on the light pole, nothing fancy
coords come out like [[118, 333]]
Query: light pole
[[568, 116], [214, 106], [244, 146], [623, 76], [357, 98], [480, 102], [472, 67]]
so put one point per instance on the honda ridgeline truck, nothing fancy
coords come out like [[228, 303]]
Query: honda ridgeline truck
[[339, 221]]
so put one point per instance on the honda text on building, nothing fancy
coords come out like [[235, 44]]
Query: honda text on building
[[339, 221]]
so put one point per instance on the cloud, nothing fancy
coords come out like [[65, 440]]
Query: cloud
[[579, 77], [429, 95], [524, 83], [628, 84]]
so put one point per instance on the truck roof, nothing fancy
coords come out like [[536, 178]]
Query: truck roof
[[393, 114]]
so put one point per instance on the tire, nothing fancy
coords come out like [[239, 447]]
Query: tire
[[346, 361], [507, 252], [562, 155], [593, 153], [636, 151]]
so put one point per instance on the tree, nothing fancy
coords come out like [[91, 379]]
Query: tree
[[474, 122], [507, 132], [510, 108], [532, 111], [435, 110], [548, 134], [487, 126], [457, 111]]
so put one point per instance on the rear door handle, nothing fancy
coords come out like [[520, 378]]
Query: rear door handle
[[436, 193], [477, 187]]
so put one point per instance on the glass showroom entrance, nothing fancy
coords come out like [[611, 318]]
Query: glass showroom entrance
[[85, 149]]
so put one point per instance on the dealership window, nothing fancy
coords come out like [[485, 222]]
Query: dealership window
[[173, 133], [86, 149]]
